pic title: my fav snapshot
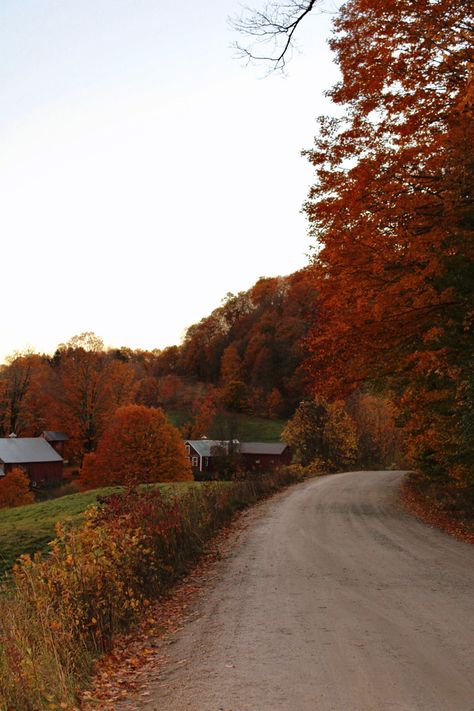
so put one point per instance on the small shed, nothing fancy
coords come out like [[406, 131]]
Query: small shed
[[35, 456], [56, 440], [264, 455]]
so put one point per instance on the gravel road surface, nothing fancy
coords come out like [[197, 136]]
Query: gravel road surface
[[332, 599]]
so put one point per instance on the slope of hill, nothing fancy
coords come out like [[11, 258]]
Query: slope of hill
[[27, 529]]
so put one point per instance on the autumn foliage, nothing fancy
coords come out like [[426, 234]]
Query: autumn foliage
[[386, 305], [139, 446], [74, 391], [253, 346], [15, 489], [60, 612], [380, 441], [322, 436], [392, 212]]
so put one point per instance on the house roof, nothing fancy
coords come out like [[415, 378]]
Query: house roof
[[262, 448], [51, 436], [23, 450], [204, 447]]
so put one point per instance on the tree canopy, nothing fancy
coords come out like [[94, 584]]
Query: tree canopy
[[392, 213], [138, 446]]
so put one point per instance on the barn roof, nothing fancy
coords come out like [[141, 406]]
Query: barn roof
[[262, 448], [51, 436], [23, 450], [204, 447]]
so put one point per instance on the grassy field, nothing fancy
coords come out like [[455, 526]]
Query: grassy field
[[258, 429], [235, 426], [27, 529]]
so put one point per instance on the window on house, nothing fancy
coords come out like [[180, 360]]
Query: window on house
[[195, 461], [187, 448], [206, 461]]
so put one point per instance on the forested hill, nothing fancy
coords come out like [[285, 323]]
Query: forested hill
[[252, 346], [245, 357]]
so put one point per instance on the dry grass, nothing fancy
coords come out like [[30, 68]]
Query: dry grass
[[59, 613]]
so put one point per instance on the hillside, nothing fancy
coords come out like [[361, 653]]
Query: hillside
[[27, 529], [246, 357], [247, 428]]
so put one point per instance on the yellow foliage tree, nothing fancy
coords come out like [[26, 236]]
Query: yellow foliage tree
[[323, 434]]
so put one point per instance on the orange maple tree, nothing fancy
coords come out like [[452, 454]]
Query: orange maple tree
[[89, 385], [20, 379], [380, 443], [392, 212], [138, 446]]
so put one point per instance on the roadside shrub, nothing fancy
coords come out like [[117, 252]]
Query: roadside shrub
[[61, 611]]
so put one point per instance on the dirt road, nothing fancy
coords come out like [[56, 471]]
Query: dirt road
[[333, 599]]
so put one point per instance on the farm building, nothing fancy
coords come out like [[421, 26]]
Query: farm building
[[264, 455], [35, 456], [252, 456], [56, 440]]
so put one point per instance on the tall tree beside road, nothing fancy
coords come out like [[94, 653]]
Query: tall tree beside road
[[392, 213], [392, 209]]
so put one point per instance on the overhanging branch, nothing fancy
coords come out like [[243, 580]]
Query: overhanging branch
[[274, 26]]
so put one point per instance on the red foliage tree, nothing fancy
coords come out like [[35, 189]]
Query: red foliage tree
[[89, 385], [256, 337], [204, 413], [138, 446], [15, 489]]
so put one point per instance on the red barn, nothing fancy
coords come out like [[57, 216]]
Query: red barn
[[35, 456], [261, 456], [56, 440], [253, 456]]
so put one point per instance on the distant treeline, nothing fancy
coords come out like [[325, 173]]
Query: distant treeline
[[246, 356]]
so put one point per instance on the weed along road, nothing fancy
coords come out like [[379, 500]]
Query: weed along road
[[331, 599]]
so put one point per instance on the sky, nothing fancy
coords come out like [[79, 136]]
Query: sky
[[145, 172]]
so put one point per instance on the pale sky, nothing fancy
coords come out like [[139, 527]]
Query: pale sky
[[144, 172]]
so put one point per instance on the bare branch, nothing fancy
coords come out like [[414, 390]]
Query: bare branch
[[274, 26]]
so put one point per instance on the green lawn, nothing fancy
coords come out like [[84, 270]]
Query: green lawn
[[27, 529], [258, 429], [178, 417], [246, 428]]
